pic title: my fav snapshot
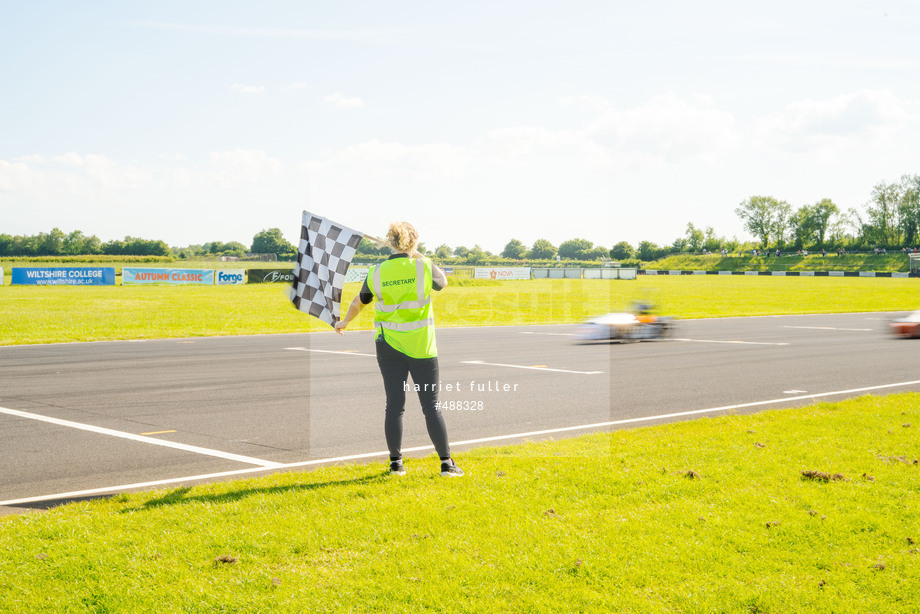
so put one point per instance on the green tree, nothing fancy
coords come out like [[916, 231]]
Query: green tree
[[575, 249], [542, 250], [695, 238], [622, 251], [801, 225], [271, 241], [711, 241], [596, 253], [476, 255], [884, 224], [367, 248], [74, 243], [443, 251], [765, 217], [910, 209], [823, 211], [219, 248], [461, 251], [648, 251], [808, 225], [52, 244], [514, 249]]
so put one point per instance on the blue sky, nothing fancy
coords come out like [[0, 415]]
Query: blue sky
[[477, 121]]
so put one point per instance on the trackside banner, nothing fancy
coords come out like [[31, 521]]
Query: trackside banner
[[269, 276], [502, 273], [230, 277], [63, 276], [174, 277], [356, 274]]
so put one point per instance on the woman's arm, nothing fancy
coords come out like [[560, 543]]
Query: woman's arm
[[353, 310], [438, 276]]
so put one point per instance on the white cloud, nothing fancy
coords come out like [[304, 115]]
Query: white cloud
[[297, 85], [339, 101], [248, 89], [241, 165], [817, 124], [31, 159], [69, 159], [668, 127]]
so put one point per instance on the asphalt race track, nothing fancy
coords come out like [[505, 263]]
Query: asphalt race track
[[90, 419]]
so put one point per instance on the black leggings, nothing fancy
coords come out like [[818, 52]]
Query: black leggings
[[395, 368]]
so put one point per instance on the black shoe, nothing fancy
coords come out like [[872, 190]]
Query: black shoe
[[449, 469], [397, 468]]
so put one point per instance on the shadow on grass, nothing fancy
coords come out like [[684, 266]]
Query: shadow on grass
[[180, 495]]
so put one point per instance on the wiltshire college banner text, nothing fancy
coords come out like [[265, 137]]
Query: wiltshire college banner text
[[63, 276]]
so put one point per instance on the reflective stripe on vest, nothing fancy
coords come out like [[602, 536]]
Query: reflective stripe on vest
[[404, 326]]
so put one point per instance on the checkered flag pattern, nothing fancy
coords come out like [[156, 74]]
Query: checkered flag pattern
[[325, 252]]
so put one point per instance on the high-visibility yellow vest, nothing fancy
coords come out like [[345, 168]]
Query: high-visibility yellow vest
[[403, 311]]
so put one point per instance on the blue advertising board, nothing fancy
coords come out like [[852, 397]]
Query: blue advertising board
[[64, 276], [175, 277], [230, 277]]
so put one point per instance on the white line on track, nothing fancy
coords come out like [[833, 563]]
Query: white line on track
[[141, 438], [827, 328], [385, 454], [730, 342], [346, 352], [498, 364]]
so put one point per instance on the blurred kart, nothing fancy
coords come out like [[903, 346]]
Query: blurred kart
[[626, 326], [908, 326]]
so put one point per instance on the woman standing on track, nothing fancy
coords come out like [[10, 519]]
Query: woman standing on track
[[404, 321]]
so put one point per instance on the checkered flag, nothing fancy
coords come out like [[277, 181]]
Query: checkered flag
[[325, 252]]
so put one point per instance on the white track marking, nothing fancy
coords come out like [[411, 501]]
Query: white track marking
[[498, 364], [141, 438], [828, 328], [730, 342], [794, 391], [346, 352], [385, 454], [528, 332]]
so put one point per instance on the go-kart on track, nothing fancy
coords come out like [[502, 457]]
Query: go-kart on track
[[93, 419]]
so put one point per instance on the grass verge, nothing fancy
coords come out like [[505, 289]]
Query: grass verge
[[713, 515], [52, 314], [893, 263]]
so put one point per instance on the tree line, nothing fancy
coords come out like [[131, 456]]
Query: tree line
[[890, 221], [77, 243]]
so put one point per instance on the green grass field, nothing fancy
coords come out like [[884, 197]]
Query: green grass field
[[65, 313], [713, 515]]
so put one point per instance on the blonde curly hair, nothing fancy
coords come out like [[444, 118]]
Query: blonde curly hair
[[402, 237]]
